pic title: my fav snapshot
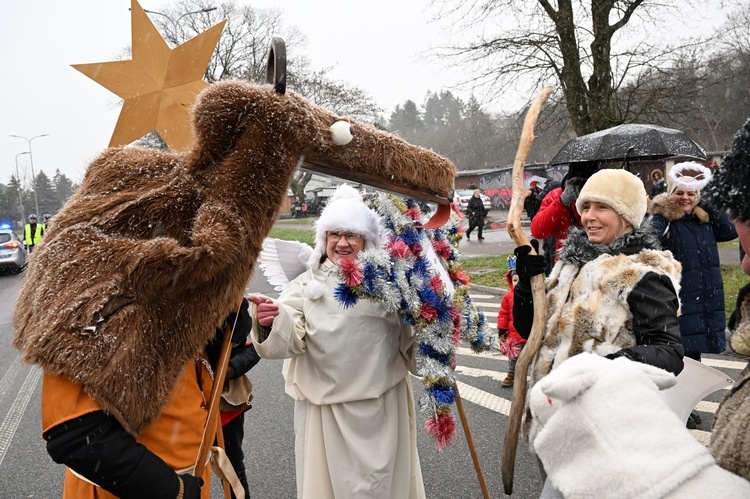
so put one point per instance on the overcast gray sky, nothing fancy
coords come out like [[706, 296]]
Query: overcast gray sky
[[375, 45]]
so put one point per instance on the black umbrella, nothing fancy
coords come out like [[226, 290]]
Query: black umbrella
[[624, 142]]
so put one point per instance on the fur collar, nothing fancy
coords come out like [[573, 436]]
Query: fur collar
[[578, 250], [664, 205]]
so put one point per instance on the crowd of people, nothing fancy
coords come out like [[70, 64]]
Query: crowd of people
[[631, 272], [638, 276]]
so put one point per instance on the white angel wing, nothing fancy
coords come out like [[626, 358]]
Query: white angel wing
[[281, 261]]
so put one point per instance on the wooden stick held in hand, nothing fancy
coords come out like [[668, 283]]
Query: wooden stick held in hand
[[518, 401], [212, 421]]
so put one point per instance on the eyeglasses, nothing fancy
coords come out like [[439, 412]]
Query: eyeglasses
[[350, 237]]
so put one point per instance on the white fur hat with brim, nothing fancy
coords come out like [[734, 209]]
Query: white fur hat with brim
[[619, 189], [346, 212], [689, 175]]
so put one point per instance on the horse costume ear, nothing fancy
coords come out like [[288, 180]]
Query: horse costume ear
[[223, 113], [580, 377]]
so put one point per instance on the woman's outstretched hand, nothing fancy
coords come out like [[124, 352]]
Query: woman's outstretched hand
[[267, 309]]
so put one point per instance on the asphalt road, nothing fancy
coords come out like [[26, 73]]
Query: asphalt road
[[26, 471]]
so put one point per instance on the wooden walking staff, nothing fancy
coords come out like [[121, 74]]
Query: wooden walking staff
[[534, 342], [212, 420], [470, 442]]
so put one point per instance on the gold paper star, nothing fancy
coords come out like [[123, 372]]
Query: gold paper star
[[159, 84]]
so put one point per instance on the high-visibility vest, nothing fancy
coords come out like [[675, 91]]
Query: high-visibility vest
[[33, 239]]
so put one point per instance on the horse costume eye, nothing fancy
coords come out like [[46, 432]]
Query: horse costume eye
[[342, 132]]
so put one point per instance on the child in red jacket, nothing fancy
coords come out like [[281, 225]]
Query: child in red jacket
[[511, 342]]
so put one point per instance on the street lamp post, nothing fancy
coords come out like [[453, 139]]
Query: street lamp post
[[20, 189], [31, 160]]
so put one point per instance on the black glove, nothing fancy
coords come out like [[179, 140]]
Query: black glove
[[192, 486], [528, 265], [572, 190], [502, 334], [244, 323]]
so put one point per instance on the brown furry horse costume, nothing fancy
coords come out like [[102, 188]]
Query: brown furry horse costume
[[147, 258]]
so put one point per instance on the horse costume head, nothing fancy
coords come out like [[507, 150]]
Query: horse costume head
[[156, 248]]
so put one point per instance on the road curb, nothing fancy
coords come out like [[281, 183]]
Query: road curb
[[488, 289]]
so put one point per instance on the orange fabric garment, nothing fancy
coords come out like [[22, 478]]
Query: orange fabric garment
[[175, 436]]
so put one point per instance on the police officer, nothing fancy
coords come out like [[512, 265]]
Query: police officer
[[46, 217], [32, 233]]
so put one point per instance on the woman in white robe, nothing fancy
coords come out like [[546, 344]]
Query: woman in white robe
[[347, 370]]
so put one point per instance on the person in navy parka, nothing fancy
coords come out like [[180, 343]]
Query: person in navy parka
[[690, 230]]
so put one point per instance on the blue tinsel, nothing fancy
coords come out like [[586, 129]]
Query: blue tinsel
[[345, 295], [411, 236], [429, 351], [370, 274], [443, 394]]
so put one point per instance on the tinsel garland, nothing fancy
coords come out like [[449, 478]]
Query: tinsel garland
[[399, 276]]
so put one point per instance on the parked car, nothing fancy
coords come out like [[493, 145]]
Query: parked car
[[316, 204], [13, 253], [461, 198]]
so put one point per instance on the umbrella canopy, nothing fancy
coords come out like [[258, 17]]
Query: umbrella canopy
[[631, 141]]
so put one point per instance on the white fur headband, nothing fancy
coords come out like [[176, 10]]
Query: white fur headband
[[689, 175]]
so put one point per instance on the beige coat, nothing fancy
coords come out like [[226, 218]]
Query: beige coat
[[347, 369]]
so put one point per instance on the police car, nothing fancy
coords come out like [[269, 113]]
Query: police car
[[13, 253]]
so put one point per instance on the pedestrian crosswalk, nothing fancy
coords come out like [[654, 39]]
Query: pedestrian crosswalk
[[485, 370]]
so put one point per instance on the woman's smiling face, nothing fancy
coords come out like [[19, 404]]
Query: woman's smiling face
[[602, 224], [343, 245], [685, 198]]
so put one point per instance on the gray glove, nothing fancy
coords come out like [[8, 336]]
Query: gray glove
[[571, 192]]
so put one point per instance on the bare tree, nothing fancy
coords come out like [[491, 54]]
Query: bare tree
[[597, 51], [242, 53]]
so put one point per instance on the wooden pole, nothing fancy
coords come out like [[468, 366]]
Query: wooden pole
[[212, 421], [470, 441], [534, 342]]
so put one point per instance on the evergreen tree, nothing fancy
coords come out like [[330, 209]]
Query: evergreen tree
[[63, 187], [45, 193]]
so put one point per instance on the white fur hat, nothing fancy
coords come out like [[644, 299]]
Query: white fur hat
[[620, 189], [346, 212], [689, 175]]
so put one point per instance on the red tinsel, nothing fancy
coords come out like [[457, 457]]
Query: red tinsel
[[456, 316], [428, 311], [510, 347], [460, 276], [416, 248], [351, 271], [436, 283], [398, 248], [413, 213], [443, 430], [442, 248]]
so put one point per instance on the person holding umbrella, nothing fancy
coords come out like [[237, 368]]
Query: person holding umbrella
[[690, 229], [558, 210]]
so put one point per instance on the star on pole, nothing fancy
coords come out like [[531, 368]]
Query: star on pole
[[159, 85]]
